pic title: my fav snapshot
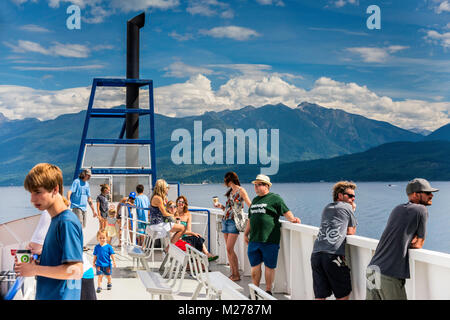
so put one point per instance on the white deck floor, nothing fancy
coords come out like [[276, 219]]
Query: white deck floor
[[127, 286]]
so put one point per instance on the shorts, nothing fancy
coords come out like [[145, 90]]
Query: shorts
[[104, 214], [160, 230], [103, 270], [382, 287], [141, 227], [81, 215], [263, 252], [228, 226], [331, 275], [88, 289]]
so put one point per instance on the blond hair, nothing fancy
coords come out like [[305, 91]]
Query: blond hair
[[160, 188], [47, 176], [101, 232], [111, 212], [340, 187]]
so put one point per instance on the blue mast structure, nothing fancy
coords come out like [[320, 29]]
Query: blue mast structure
[[131, 115]]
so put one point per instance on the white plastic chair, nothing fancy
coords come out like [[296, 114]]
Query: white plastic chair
[[175, 271], [256, 293], [198, 264]]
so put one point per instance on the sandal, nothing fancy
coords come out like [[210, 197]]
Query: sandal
[[213, 258]]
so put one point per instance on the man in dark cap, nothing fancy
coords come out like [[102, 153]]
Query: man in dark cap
[[405, 230]]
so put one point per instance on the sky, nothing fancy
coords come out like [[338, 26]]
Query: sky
[[211, 55]]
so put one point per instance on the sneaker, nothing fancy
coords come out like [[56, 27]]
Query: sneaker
[[213, 258], [109, 286], [99, 290]]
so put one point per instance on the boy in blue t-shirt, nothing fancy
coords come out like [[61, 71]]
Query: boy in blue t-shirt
[[61, 262], [103, 254]]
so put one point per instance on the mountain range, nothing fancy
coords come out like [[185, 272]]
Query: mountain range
[[308, 132]]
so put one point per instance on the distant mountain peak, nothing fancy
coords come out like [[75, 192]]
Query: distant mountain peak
[[306, 106]]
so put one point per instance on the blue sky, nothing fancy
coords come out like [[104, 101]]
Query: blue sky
[[210, 55]]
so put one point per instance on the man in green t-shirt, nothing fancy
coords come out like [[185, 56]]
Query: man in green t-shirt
[[263, 230]]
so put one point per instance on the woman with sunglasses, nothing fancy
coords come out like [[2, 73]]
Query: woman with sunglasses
[[158, 215], [236, 197], [185, 218]]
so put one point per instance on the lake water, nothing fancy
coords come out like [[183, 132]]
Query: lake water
[[375, 201]]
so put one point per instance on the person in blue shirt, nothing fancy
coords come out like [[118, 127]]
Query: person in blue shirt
[[79, 196], [61, 262], [141, 201], [103, 254]]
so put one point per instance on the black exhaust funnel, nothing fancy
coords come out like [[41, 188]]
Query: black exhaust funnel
[[132, 98]]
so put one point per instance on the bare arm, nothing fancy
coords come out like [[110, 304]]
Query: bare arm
[[290, 217], [245, 197], [351, 230], [160, 204], [247, 232], [113, 260], [71, 270], [417, 243], [92, 206]]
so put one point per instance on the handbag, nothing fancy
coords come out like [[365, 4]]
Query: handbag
[[239, 218]]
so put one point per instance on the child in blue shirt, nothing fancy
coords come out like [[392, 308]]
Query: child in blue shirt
[[103, 254]]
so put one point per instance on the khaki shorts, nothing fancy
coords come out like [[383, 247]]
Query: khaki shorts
[[81, 216], [381, 287]]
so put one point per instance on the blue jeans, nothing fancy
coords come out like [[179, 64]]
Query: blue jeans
[[228, 226]]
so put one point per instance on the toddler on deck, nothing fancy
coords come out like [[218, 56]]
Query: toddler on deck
[[103, 254], [111, 225]]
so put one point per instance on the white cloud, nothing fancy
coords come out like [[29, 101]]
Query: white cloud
[[180, 37], [34, 28], [210, 8], [181, 70], [443, 7], [373, 54], [271, 2], [64, 68], [232, 32], [138, 5], [196, 96], [95, 11], [438, 38], [341, 3], [58, 49]]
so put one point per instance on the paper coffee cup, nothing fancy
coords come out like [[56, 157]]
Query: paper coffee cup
[[23, 256], [215, 199]]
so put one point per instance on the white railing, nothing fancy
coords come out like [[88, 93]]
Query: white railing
[[430, 270]]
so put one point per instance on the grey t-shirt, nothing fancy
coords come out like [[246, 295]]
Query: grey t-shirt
[[336, 218], [391, 255], [103, 205]]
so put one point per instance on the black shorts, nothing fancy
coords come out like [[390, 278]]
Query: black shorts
[[88, 289], [331, 275]]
